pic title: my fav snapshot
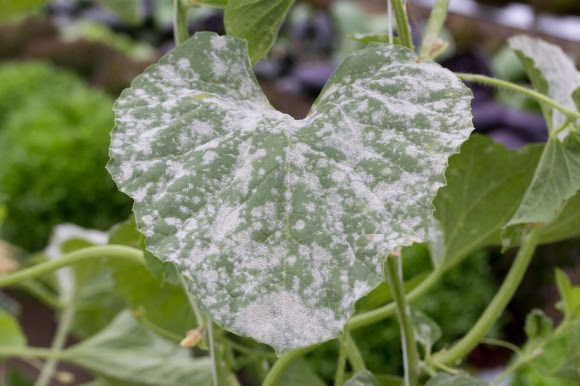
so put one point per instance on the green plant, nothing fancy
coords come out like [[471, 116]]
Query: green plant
[[272, 228], [53, 134]]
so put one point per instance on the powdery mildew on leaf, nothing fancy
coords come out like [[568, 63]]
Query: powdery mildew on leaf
[[281, 225], [551, 71]]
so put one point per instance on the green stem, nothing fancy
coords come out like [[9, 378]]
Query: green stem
[[341, 363], [249, 351], [157, 329], [353, 354], [111, 251], [496, 307], [564, 125], [403, 26], [519, 89], [62, 331], [410, 351], [434, 25], [212, 353], [30, 352], [378, 314], [180, 32], [40, 292], [281, 364], [192, 301]]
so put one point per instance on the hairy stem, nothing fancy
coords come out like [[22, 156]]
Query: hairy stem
[[353, 354], [493, 311], [403, 26], [96, 252], [434, 25], [410, 351], [341, 363], [180, 32], [62, 331], [519, 89], [281, 364]]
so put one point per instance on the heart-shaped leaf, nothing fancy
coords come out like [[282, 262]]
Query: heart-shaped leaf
[[281, 225]]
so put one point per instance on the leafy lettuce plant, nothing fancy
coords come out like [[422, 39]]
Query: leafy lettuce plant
[[271, 228], [53, 135]]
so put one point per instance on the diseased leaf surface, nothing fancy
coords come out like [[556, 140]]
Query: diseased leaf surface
[[551, 71], [281, 225], [257, 21]]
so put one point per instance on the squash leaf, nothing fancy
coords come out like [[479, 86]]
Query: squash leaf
[[281, 225]]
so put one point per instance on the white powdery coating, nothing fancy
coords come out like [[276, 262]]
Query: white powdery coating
[[282, 225], [281, 317]]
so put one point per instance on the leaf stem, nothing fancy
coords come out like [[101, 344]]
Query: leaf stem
[[341, 363], [434, 25], [95, 252], [62, 331], [564, 125], [410, 351], [192, 301], [519, 89], [39, 291], [403, 26], [281, 364], [30, 352], [180, 32], [387, 310], [353, 354], [496, 307], [212, 353]]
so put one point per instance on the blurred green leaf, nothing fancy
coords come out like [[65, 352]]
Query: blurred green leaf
[[256, 21], [127, 10], [127, 351], [162, 303], [570, 295], [96, 302], [15, 377], [427, 331], [300, 373], [367, 38], [126, 233], [10, 332], [538, 325], [362, 378], [556, 361], [443, 379], [10, 9], [53, 141]]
